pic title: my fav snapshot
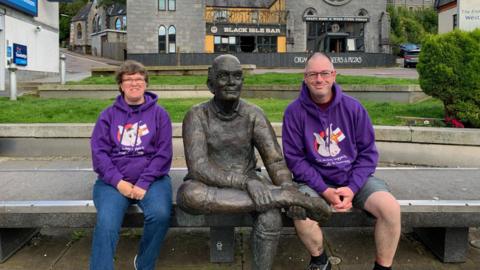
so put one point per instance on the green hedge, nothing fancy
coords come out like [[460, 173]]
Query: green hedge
[[449, 69]]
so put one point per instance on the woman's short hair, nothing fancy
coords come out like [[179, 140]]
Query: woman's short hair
[[130, 67]]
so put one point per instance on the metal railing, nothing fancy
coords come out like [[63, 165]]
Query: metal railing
[[223, 15]]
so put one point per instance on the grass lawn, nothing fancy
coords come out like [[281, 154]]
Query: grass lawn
[[35, 110], [254, 79]]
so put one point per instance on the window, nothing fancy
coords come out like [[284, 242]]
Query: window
[[267, 44], [79, 31], [225, 44], [162, 5], [118, 24], [310, 12], [171, 39], [455, 21], [255, 16], [362, 12], [220, 15], [124, 23], [94, 24], [99, 23], [162, 39], [171, 4]]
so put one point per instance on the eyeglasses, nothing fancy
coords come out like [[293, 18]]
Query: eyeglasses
[[224, 75], [324, 74], [133, 81]]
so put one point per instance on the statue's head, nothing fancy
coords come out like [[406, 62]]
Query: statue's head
[[225, 78]]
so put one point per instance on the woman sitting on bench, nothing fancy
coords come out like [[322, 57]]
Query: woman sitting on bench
[[131, 153]]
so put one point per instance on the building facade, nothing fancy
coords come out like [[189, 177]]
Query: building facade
[[462, 14], [255, 30], [29, 33], [100, 31], [81, 26], [447, 15], [412, 4]]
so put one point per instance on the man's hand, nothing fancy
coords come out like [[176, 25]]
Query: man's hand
[[125, 188], [346, 195], [260, 194], [138, 193], [330, 194]]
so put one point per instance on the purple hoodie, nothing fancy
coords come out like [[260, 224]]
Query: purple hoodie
[[132, 144], [333, 147]]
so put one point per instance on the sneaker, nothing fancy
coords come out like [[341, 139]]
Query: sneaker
[[135, 262], [314, 266]]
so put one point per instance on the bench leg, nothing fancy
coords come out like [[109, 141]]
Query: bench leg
[[448, 244], [222, 244], [12, 240]]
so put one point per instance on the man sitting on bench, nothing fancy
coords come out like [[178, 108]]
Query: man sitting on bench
[[329, 145], [219, 137]]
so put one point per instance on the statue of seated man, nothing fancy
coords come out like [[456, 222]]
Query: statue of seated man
[[219, 138]]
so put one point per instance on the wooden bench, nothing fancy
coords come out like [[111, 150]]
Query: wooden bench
[[439, 204]]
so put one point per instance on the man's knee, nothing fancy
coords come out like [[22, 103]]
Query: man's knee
[[384, 206], [306, 227], [269, 221], [191, 196]]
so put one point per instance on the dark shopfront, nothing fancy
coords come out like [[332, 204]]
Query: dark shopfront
[[245, 38], [336, 34]]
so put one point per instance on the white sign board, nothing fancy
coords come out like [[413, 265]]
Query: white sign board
[[468, 14]]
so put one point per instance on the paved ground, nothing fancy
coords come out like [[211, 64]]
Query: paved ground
[[350, 249]]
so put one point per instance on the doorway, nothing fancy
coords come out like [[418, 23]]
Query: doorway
[[247, 44], [337, 45]]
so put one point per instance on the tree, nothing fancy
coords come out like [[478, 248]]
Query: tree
[[106, 3], [449, 70], [67, 12], [410, 26]]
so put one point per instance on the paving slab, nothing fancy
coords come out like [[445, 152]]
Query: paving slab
[[350, 249]]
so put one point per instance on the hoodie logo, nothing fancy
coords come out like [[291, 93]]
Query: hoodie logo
[[326, 142], [130, 134]]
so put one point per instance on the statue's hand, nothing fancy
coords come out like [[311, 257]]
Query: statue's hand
[[260, 194], [297, 212]]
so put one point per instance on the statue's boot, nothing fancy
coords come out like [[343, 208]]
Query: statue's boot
[[195, 197], [316, 207]]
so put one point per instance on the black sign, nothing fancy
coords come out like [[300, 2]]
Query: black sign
[[336, 19], [20, 56], [245, 30]]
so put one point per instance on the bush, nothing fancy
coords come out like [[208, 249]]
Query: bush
[[449, 69]]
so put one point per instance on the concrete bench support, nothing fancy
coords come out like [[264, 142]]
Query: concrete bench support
[[12, 240], [448, 244], [222, 244]]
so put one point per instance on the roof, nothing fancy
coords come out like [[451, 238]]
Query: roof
[[439, 3], [240, 3], [82, 15], [116, 9]]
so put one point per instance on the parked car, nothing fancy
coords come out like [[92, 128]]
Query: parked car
[[410, 58], [408, 47]]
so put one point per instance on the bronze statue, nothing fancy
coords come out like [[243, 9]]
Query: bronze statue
[[219, 138]]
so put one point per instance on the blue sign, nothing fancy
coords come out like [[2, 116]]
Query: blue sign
[[9, 52], [20, 56], [28, 6]]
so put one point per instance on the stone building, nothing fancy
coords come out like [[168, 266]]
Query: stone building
[[81, 28], [254, 30], [29, 39], [100, 31], [461, 14], [412, 4]]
